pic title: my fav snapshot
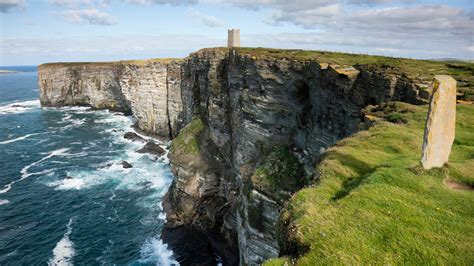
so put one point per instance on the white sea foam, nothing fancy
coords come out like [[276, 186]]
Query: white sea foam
[[7, 187], [4, 201], [116, 119], [24, 172], [64, 251], [72, 123], [70, 108], [69, 184], [19, 107], [66, 117], [155, 251], [19, 138]]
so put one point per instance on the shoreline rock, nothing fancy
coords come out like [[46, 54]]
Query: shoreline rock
[[133, 137], [152, 148]]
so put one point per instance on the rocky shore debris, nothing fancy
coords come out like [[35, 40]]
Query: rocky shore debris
[[133, 137], [126, 164], [123, 163], [152, 148]]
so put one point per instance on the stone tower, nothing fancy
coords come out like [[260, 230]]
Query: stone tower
[[233, 38]]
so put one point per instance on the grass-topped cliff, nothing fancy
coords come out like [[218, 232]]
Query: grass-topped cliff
[[138, 62], [421, 71], [374, 204]]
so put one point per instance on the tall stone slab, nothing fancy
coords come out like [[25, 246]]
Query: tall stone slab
[[441, 123]]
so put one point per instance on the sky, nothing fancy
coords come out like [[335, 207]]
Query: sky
[[39, 31]]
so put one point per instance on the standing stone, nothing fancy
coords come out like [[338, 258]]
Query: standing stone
[[441, 123]]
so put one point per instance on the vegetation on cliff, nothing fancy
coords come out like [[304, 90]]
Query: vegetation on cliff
[[279, 174], [374, 203], [187, 142]]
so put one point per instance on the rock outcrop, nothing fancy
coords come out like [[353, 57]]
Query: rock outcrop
[[247, 131], [152, 148], [440, 123]]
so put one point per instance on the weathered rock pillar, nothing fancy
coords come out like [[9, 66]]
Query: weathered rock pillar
[[440, 123]]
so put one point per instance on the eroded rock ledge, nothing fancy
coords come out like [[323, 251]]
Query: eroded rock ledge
[[247, 130]]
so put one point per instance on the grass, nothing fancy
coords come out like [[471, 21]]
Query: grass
[[374, 204], [187, 142]]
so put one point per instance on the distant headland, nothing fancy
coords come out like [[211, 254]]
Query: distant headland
[[3, 71]]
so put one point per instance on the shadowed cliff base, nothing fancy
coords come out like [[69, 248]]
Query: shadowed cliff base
[[192, 247]]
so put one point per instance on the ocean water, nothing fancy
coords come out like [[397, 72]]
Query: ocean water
[[105, 214]]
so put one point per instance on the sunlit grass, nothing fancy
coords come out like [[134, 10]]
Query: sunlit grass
[[374, 203]]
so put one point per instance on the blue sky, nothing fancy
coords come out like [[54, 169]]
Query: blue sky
[[35, 32]]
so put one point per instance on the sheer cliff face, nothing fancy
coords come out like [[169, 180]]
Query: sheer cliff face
[[81, 84], [253, 128], [149, 90]]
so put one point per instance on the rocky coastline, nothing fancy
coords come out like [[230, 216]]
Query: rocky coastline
[[246, 132]]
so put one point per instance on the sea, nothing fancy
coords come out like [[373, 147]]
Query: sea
[[65, 197]]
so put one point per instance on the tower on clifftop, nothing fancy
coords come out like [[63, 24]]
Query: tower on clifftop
[[233, 38]]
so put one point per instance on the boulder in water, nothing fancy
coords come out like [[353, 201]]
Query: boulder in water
[[69, 177], [133, 136], [152, 148], [126, 164]]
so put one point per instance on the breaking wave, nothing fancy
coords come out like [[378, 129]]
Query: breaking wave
[[64, 251], [19, 107], [19, 138], [155, 251], [25, 174]]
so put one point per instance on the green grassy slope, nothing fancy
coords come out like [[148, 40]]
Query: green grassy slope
[[374, 204]]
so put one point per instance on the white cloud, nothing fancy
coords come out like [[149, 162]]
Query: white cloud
[[380, 43], [20, 50], [284, 5], [161, 2], [7, 5], [80, 3], [307, 18], [89, 16], [206, 20]]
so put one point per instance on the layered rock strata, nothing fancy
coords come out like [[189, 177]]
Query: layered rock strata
[[150, 90], [247, 130]]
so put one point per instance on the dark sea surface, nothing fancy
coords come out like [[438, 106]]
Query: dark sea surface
[[105, 214]]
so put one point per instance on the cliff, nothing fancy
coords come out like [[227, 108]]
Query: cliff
[[148, 89], [248, 126]]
